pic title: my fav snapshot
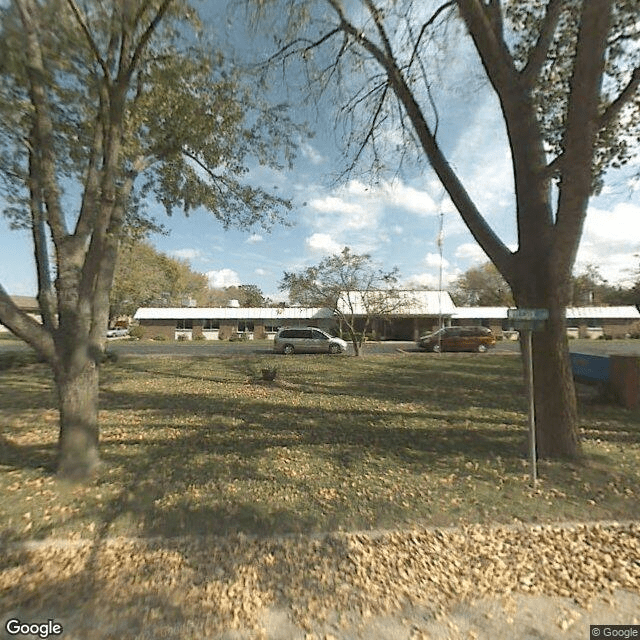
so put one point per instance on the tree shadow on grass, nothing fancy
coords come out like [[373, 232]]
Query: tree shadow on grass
[[167, 455], [23, 456]]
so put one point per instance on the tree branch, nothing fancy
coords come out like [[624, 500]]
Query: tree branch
[[146, 36], [539, 52], [89, 38], [493, 51], [92, 183], [494, 11], [426, 25], [480, 229], [43, 142], [581, 129], [46, 295], [25, 327], [625, 96], [376, 14]]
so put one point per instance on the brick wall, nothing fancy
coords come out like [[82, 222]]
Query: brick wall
[[154, 328]]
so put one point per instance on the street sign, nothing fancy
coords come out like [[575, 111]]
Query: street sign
[[528, 314], [528, 321]]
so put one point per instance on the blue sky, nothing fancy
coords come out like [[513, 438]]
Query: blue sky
[[396, 219]]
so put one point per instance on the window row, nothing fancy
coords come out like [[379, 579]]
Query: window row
[[213, 325]]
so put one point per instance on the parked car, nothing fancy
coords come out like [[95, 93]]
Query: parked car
[[306, 340], [118, 332], [458, 339]]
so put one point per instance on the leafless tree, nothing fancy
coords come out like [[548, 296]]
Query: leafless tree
[[566, 75]]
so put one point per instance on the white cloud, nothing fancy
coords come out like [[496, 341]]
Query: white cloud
[[342, 213], [186, 254], [254, 238], [322, 243], [223, 278], [610, 241], [398, 194], [470, 251], [433, 260], [614, 265], [261, 272], [431, 280], [621, 224], [312, 154]]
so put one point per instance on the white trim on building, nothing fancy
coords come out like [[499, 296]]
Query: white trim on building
[[232, 313]]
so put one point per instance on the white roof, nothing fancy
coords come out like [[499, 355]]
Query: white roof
[[620, 313], [573, 313], [400, 303], [487, 313], [232, 313]]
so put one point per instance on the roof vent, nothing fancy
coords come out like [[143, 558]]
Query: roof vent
[[234, 304]]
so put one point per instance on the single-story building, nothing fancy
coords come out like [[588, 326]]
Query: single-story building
[[593, 322], [404, 315], [222, 323], [582, 322], [495, 318]]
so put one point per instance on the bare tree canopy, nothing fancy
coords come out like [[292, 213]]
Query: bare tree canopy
[[351, 285], [566, 78]]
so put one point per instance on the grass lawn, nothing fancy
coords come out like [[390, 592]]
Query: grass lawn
[[201, 445]]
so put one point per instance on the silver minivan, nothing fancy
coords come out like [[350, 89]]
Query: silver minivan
[[307, 340]]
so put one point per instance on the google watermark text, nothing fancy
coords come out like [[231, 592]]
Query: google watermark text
[[48, 629]]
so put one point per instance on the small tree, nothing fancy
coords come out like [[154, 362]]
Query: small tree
[[351, 285], [482, 286]]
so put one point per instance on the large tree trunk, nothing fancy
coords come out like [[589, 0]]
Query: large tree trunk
[[555, 398], [77, 387]]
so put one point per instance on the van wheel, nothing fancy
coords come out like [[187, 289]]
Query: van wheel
[[334, 348], [288, 349], [436, 348], [481, 348]]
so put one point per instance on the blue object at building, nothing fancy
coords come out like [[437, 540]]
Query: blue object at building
[[589, 368]]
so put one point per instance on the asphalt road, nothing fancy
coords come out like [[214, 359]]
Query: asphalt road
[[258, 348], [263, 347]]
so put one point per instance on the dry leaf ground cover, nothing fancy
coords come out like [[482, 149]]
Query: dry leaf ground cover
[[395, 443]]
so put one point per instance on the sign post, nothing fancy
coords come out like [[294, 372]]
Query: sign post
[[530, 320]]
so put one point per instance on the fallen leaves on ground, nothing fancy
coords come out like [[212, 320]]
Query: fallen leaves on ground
[[203, 586]]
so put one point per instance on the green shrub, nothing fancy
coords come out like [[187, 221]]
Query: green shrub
[[159, 338]]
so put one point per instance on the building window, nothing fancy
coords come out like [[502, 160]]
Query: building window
[[271, 328], [245, 325], [184, 324], [210, 325]]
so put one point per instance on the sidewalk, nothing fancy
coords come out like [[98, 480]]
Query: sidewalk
[[477, 583]]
